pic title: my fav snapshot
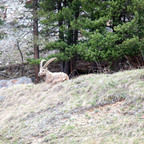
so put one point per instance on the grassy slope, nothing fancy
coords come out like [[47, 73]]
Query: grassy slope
[[91, 109]]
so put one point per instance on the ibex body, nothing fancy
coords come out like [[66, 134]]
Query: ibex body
[[50, 77]]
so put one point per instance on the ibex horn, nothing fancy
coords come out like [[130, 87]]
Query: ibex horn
[[41, 63], [49, 61]]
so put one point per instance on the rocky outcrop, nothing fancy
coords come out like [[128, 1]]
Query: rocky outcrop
[[16, 27]]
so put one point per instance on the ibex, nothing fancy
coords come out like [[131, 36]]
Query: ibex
[[50, 77]]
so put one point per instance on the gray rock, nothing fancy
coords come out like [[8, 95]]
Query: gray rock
[[1, 98], [21, 80]]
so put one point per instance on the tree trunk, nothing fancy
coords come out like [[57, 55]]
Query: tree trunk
[[115, 67], [35, 38], [65, 67]]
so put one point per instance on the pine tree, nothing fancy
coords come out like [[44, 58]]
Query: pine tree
[[117, 30], [111, 30], [59, 19]]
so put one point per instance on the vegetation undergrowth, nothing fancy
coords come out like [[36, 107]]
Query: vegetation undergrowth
[[94, 108]]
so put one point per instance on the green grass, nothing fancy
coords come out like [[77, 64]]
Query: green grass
[[91, 109]]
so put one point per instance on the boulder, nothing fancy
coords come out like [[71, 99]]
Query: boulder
[[21, 80]]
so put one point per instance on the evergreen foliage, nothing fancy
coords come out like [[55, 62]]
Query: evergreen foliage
[[110, 29], [122, 36], [29, 6], [60, 19]]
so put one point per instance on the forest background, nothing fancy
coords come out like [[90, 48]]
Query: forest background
[[108, 33]]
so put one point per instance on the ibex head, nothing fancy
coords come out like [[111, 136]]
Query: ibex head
[[43, 69]]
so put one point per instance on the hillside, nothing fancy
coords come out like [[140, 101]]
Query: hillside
[[16, 28], [90, 109]]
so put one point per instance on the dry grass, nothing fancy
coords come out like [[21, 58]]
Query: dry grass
[[91, 109]]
